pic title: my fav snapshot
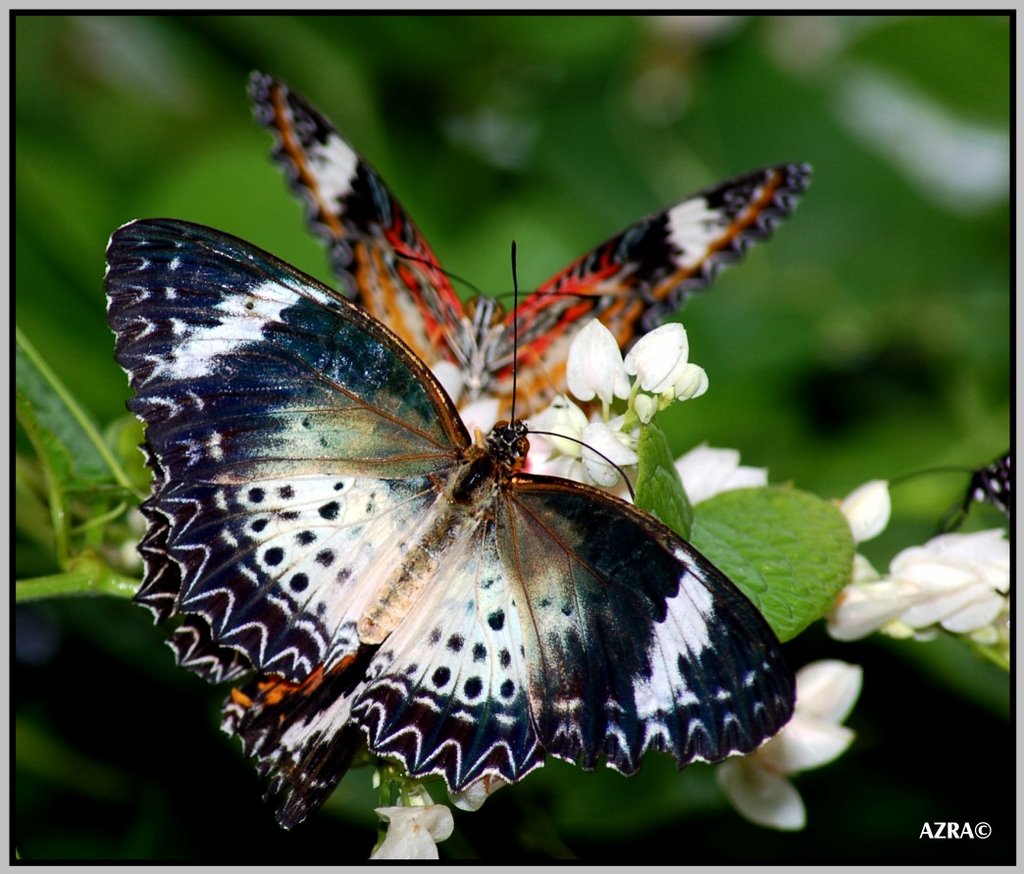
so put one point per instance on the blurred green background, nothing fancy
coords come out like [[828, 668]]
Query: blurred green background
[[870, 339]]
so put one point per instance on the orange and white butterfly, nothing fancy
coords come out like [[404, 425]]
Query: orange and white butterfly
[[630, 282]]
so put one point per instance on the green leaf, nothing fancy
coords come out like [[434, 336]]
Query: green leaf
[[56, 463], [125, 435], [658, 487], [790, 552], [39, 398], [63, 434], [31, 514]]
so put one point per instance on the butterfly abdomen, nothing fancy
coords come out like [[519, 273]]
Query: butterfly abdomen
[[469, 496]]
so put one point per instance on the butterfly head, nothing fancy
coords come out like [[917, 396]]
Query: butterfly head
[[508, 444]]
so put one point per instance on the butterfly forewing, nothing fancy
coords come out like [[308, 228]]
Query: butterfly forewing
[[319, 515], [644, 273], [631, 282], [292, 446], [376, 250]]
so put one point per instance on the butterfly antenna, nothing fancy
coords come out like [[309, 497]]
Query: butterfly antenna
[[954, 517], [928, 471], [409, 256], [515, 330], [622, 473], [554, 292]]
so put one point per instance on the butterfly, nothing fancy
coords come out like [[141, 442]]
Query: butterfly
[[630, 282], [991, 484], [325, 529]]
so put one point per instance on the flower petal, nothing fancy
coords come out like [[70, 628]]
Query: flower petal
[[762, 797], [861, 609], [658, 357], [480, 414], [938, 606], [594, 367], [804, 743], [599, 438], [984, 555], [827, 689], [476, 793], [561, 417], [413, 832], [451, 377], [706, 471], [692, 382], [645, 407], [867, 508], [976, 615]]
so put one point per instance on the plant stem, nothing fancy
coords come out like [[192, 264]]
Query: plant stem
[[83, 580]]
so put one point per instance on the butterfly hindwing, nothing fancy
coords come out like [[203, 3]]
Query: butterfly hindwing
[[635, 641], [375, 249], [445, 693]]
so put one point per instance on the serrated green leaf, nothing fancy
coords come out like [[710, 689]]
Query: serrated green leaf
[[658, 487], [56, 410], [789, 551], [56, 463], [42, 409]]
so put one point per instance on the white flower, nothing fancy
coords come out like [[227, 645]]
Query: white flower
[[451, 378], [962, 579], [862, 608], [560, 417], [867, 509], [692, 382], [756, 784], [958, 582], [476, 793], [414, 832], [599, 437], [645, 407], [658, 358], [480, 414], [706, 471], [594, 367]]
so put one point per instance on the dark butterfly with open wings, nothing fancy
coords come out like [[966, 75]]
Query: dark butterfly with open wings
[[325, 528]]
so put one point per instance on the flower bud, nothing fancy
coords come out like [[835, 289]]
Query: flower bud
[[658, 359]]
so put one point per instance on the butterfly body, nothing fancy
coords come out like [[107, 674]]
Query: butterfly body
[[992, 485], [322, 522], [631, 282]]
